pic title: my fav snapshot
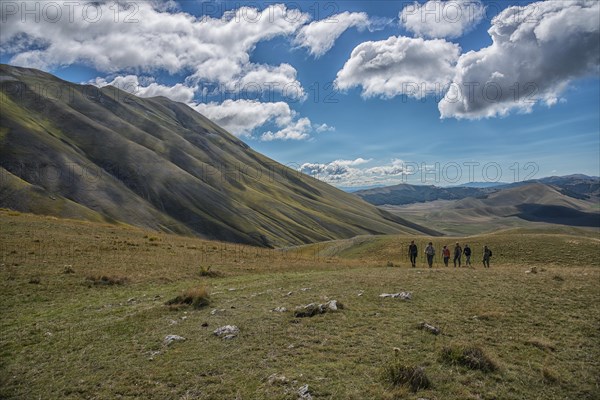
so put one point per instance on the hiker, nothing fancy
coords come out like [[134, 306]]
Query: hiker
[[457, 254], [412, 253], [430, 252], [467, 253], [487, 253], [446, 255]]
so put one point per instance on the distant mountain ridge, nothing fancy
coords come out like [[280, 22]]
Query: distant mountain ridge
[[83, 152], [578, 186], [536, 202], [405, 193]]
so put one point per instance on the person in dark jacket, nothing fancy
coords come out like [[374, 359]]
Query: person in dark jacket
[[412, 253], [457, 254], [467, 253], [430, 252], [487, 254]]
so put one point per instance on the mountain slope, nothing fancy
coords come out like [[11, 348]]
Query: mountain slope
[[576, 186], [405, 193], [159, 164], [510, 207]]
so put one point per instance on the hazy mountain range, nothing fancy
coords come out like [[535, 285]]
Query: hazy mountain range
[[577, 186], [82, 152]]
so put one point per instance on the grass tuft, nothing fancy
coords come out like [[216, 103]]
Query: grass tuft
[[400, 374], [207, 273], [105, 280], [35, 281], [196, 297], [541, 344], [471, 357], [549, 375]]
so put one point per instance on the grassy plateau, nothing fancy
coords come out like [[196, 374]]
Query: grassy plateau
[[86, 307]]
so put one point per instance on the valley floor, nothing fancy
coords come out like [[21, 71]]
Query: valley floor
[[65, 333]]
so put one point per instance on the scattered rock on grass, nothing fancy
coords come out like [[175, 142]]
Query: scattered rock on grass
[[304, 393], [308, 310], [313, 309], [401, 295], [276, 379], [227, 332], [333, 305], [279, 309], [170, 339], [429, 328]]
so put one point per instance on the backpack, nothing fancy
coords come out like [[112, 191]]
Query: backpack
[[490, 253]]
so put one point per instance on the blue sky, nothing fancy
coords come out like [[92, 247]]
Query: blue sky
[[357, 93]]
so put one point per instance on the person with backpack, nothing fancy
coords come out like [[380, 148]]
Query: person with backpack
[[430, 252], [487, 254], [457, 254], [467, 253], [446, 255], [412, 253]]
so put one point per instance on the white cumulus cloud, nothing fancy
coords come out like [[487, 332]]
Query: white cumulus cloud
[[355, 173], [323, 128], [320, 36], [442, 19], [298, 130], [400, 66], [152, 36], [537, 50], [243, 117], [147, 87]]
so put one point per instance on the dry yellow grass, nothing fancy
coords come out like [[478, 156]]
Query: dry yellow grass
[[61, 339]]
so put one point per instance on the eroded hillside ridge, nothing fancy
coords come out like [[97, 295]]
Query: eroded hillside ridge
[[103, 154]]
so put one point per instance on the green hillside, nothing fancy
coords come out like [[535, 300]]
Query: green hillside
[[537, 245], [154, 163]]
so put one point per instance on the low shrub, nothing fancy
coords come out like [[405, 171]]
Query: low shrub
[[400, 374], [471, 357], [196, 297]]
